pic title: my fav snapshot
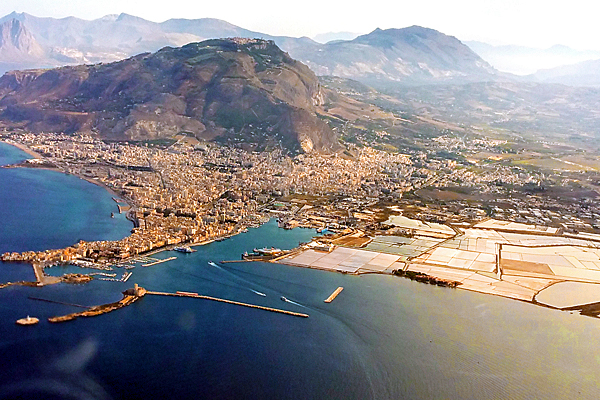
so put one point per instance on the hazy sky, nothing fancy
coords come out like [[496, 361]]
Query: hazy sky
[[538, 23]]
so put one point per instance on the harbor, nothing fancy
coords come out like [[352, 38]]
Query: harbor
[[134, 294]]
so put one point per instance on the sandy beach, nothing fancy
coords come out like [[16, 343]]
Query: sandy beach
[[23, 148]]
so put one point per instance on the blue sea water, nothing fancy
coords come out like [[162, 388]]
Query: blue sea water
[[41, 209], [383, 337]]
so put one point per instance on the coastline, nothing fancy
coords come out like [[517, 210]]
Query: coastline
[[110, 190], [36, 155], [23, 148]]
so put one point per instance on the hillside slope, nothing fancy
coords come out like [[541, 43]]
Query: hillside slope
[[413, 55], [234, 89]]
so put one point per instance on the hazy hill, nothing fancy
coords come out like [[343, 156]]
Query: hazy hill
[[586, 73], [331, 36], [527, 60], [18, 47], [413, 55], [534, 111], [233, 90], [114, 37]]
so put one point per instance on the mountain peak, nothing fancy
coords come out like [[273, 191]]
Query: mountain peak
[[16, 42], [412, 55], [222, 89], [123, 17], [109, 17], [400, 33]]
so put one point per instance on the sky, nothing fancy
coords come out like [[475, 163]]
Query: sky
[[534, 23]]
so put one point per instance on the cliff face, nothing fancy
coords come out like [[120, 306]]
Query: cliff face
[[241, 90], [17, 43]]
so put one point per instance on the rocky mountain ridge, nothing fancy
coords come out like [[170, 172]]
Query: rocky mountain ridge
[[230, 89], [411, 55]]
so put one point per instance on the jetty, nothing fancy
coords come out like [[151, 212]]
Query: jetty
[[134, 294], [58, 302], [159, 262], [334, 295], [130, 296], [237, 303]]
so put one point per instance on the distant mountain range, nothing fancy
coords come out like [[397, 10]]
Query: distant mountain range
[[240, 90], [521, 60], [56, 42], [411, 55], [333, 36], [586, 73]]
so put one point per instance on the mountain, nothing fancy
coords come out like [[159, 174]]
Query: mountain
[[586, 73], [18, 47], [521, 60], [238, 90], [333, 36], [17, 43], [413, 55], [72, 40]]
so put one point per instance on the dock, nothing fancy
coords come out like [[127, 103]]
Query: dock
[[333, 295], [237, 303], [159, 262]]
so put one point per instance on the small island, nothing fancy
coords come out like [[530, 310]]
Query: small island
[[27, 321]]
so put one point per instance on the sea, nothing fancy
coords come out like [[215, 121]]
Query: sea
[[383, 337]]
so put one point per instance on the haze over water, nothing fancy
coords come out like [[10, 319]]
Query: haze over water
[[383, 337]]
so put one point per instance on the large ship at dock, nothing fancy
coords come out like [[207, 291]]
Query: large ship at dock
[[264, 254], [184, 249]]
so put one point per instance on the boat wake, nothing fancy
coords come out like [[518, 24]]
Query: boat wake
[[237, 277], [292, 302]]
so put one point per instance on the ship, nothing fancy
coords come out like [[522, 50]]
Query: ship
[[269, 252], [264, 254], [184, 249]]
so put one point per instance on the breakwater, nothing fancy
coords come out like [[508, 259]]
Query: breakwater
[[159, 262], [97, 310], [237, 303], [334, 295]]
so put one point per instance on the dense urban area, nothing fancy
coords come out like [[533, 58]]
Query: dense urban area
[[187, 191]]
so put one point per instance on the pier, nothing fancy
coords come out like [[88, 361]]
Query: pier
[[159, 262], [41, 278], [334, 295], [237, 303]]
